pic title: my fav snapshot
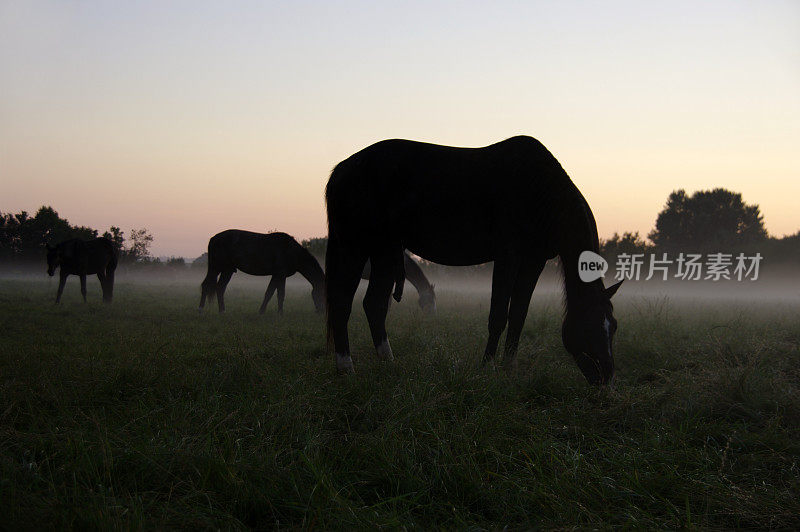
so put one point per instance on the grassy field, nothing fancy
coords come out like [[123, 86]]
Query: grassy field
[[145, 414]]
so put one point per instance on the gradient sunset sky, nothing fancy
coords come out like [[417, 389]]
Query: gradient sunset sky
[[188, 118]]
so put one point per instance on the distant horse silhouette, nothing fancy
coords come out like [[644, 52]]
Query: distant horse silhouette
[[275, 254], [415, 276], [511, 203], [82, 258]]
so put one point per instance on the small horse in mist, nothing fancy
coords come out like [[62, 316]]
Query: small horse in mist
[[511, 203], [414, 274], [82, 258], [275, 254]]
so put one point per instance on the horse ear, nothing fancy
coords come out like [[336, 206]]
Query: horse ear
[[611, 290]]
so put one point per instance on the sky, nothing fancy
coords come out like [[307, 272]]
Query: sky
[[188, 118]]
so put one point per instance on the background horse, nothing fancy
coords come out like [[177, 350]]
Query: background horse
[[415, 276], [275, 254], [511, 203], [82, 258]]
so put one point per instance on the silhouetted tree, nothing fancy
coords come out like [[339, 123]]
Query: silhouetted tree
[[708, 220], [24, 237], [783, 250], [316, 246], [140, 241], [177, 263], [117, 237], [626, 243]]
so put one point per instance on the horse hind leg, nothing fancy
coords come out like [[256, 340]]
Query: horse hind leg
[[376, 302], [62, 280], [101, 276], [518, 308], [343, 268], [503, 277], [83, 287], [273, 284]]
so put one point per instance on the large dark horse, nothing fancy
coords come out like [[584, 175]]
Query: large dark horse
[[275, 254], [415, 276], [511, 203], [82, 258]]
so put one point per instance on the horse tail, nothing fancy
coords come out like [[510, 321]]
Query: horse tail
[[208, 288], [111, 267]]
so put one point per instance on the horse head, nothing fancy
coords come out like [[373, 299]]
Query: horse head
[[318, 294], [588, 332], [427, 300], [53, 260]]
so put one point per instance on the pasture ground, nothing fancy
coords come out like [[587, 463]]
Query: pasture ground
[[145, 414]]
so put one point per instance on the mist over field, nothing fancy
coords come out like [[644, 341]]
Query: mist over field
[[129, 414], [779, 283]]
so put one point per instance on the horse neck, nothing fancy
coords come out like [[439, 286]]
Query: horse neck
[[579, 233], [417, 278], [309, 268]]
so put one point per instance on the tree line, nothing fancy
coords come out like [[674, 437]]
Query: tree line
[[707, 221], [23, 237]]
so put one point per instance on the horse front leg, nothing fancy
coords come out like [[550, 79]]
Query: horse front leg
[[503, 278], [376, 302], [110, 281], [281, 292], [268, 294], [62, 280], [83, 286], [522, 291]]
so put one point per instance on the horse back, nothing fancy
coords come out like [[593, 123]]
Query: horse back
[[448, 204], [81, 257], [254, 253]]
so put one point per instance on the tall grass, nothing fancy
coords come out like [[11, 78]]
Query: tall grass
[[145, 414]]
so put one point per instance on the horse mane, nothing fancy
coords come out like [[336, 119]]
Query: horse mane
[[310, 268], [578, 233]]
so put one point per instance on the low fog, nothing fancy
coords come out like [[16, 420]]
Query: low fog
[[777, 284]]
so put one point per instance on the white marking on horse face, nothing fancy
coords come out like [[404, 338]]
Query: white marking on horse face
[[344, 363], [607, 328], [384, 350]]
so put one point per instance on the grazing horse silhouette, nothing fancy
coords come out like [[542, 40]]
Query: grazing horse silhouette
[[82, 258], [511, 203], [415, 276], [275, 254]]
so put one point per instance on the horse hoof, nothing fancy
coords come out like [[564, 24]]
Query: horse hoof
[[344, 364], [385, 350]]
